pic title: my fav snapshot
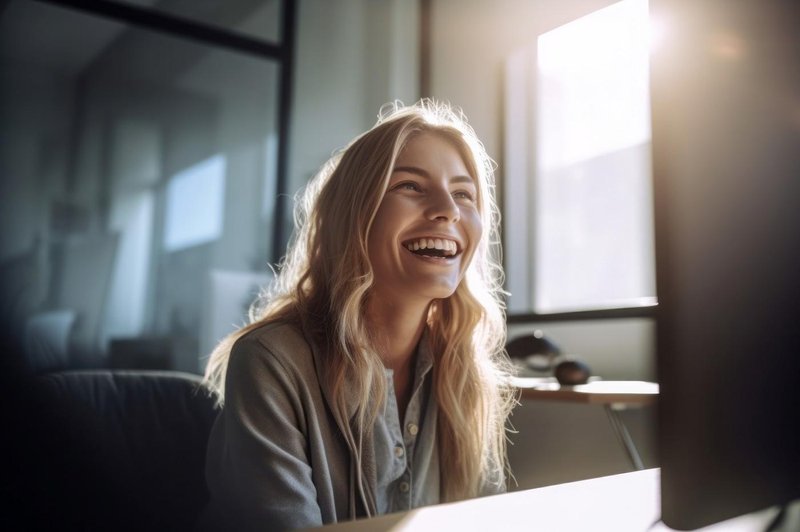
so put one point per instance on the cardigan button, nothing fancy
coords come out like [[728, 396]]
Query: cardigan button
[[404, 487], [413, 429], [399, 451]]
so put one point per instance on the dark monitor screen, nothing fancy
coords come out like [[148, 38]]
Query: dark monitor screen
[[725, 86]]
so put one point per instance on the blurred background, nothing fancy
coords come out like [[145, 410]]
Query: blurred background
[[151, 150]]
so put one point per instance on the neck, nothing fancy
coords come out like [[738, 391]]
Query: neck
[[397, 328]]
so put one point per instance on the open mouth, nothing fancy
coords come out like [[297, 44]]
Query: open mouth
[[433, 248]]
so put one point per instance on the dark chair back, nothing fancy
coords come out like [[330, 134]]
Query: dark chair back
[[133, 447]]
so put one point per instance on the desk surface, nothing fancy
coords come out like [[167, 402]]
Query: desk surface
[[595, 392], [622, 503]]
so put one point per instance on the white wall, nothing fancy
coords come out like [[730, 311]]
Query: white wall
[[615, 349], [352, 56]]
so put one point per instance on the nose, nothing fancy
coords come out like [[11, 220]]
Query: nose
[[442, 207]]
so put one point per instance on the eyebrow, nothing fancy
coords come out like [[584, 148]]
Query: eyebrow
[[423, 173]]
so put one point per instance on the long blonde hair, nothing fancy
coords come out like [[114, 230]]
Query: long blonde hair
[[323, 284]]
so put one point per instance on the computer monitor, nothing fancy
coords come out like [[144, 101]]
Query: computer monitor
[[725, 85]]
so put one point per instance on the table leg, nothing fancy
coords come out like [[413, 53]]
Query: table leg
[[624, 437]]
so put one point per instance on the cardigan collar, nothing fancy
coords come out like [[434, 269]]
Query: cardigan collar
[[363, 479]]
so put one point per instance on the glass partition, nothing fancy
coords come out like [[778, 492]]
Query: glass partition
[[135, 166]]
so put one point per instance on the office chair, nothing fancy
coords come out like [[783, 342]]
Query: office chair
[[121, 450]]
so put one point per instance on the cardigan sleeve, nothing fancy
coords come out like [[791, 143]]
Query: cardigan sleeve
[[258, 468]]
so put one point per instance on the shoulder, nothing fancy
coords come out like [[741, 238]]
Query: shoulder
[[280, 339], [278, 349]]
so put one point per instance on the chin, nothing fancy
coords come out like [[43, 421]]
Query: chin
[[443, 292]]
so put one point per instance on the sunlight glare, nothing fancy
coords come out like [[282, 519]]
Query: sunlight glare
[[593, 71]]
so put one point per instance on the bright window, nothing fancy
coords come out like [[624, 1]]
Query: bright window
[[589, 236], [195, 204]]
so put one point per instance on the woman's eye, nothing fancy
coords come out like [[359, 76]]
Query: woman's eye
[[463, 194], [408, 186]]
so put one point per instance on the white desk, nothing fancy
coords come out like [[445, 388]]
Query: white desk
[[620, 503], [598, 392]]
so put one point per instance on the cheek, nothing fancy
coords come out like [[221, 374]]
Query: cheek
[[377, 233], [384, 229], [474, 227], [477, 228], [392, 215]]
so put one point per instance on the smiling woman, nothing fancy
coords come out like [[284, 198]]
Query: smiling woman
[[371, 378]]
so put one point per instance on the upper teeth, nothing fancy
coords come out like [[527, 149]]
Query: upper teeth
[[448, 246]]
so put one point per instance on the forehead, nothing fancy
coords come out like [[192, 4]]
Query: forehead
[[434, 151]]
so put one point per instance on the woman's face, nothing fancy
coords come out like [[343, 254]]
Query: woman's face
[[427, 225]]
